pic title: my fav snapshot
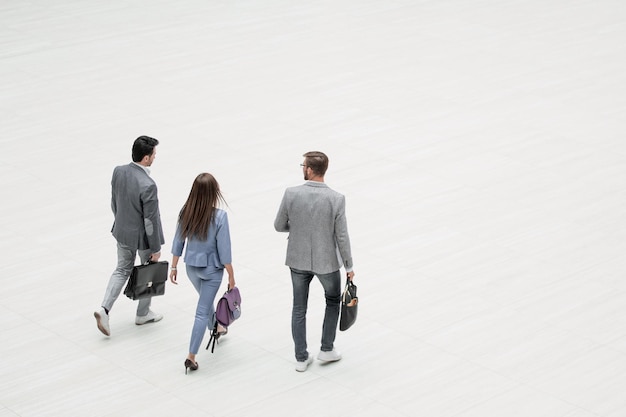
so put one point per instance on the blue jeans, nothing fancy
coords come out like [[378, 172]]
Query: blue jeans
[[332, 291], [125, 262], [206, 281]]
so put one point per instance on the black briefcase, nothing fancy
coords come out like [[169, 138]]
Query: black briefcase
[[147, 280]]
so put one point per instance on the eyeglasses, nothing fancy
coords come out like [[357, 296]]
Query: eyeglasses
[[303, 166]]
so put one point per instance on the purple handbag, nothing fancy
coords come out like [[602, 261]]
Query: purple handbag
[[228, 309]]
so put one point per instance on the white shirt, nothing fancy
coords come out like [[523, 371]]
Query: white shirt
[[143, 167]]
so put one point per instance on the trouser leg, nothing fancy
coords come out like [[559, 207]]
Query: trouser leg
[[300, 282], [125, 262], [332, 291], [205, 311], [143, 306]]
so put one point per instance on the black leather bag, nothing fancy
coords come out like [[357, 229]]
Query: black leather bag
[[147, 280], [349, 306]]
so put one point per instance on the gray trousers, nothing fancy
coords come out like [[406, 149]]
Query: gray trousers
[[125, 262], [332, 291]]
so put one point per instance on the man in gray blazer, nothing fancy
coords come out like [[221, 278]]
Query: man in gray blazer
[[137, 228], [318, 245]]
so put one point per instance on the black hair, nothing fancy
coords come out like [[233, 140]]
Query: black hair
[[144, 145]]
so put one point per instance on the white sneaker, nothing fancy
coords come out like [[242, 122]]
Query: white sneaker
[[302, 365], [331, 356], [151, 317], [102, 320]]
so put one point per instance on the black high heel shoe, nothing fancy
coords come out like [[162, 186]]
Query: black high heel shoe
[[189, 364]]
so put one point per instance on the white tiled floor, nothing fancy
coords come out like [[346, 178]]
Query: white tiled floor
[[481, 148]]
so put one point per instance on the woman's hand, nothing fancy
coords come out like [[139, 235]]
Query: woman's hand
[[174, 270], [173, 275], [231, 276]]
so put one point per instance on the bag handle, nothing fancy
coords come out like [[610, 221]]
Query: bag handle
[[346, 291], [349, 282]]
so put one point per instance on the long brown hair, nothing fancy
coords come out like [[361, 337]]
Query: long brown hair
[[199, 209]]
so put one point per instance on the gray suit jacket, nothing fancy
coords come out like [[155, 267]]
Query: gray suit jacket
[[315, 217], [136, 209]]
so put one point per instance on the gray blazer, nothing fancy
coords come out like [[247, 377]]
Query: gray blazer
[[315, 217], [136, 209]]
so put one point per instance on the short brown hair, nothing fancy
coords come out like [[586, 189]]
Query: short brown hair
[[317, 161]]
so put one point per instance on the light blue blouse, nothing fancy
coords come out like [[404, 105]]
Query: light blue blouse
[[213, 252]]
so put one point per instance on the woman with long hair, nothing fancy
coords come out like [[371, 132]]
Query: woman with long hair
[[203, 227]]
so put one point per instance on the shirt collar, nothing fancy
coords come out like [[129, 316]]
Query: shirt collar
[[142, 167], [316, 183]]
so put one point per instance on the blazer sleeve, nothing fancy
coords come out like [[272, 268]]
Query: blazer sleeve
[[281, 223], [179, 243], [341, 234], [113, 202], [223, 240], [151, 217]]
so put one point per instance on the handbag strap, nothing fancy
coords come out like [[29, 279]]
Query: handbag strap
[[346, 291], [350, 289]]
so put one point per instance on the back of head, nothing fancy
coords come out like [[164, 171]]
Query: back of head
[[317, 161], [198, 211], [205, 189], [143, 146]]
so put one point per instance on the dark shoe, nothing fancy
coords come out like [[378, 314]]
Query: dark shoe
[[189, 364]]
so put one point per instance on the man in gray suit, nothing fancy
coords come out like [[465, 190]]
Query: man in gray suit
[[314, 215], [137, 228]]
